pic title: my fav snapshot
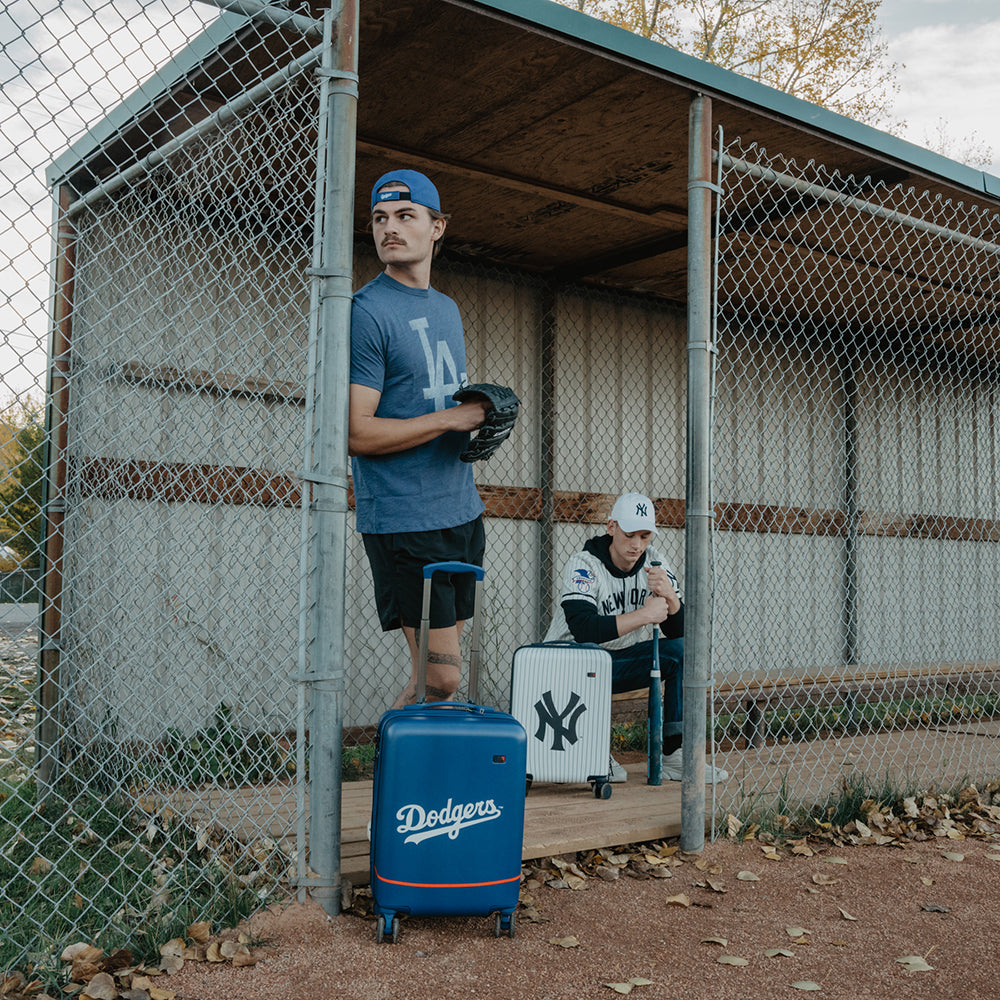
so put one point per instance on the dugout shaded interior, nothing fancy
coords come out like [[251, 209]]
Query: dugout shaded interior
[[560, 145]]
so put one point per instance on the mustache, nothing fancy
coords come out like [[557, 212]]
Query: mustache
[[392, 239]]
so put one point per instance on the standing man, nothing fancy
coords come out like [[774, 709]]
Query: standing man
[[611, 593], [416, 502]]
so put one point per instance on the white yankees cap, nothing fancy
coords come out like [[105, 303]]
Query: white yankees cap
[[634, 512]]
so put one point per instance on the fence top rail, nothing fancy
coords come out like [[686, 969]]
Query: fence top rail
[[770, 175]]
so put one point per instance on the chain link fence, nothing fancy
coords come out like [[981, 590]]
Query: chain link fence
[[153, 747], [855, 463], [153, 758]]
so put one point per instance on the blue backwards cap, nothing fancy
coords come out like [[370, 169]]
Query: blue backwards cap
[[419, 189]]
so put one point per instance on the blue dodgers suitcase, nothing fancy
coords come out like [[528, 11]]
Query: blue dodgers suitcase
[[561, 693], [447, 804]]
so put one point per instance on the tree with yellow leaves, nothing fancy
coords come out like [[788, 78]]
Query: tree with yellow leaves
[[828, 52], [22, 442]]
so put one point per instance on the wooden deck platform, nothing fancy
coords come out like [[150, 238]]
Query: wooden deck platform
[[558, 819]]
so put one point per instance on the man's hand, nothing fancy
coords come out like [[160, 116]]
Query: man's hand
[[655, 609], [469, 416], [659, 583]]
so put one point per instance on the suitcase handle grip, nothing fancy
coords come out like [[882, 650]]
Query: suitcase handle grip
[[453, 567], [454, 705]]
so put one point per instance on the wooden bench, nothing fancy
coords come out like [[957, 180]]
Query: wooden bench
[[850, 687]]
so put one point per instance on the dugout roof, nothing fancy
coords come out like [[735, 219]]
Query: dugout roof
[[559, 143]]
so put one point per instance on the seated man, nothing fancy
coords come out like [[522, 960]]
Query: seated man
[[610, 594]]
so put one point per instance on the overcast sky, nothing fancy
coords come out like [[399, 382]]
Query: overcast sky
[[950, 51]]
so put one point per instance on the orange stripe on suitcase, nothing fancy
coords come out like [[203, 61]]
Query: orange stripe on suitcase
[[446, 885]]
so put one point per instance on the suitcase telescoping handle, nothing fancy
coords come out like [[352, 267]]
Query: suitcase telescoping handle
[[425, 624]]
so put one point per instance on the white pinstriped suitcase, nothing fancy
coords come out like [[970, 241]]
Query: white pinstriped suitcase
[[561, 693]]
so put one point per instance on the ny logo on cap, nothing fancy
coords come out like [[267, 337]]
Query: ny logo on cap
[[640, 510]]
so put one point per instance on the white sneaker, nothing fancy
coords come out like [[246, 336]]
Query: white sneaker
[[673, 768], [673, 765], [618, 773]]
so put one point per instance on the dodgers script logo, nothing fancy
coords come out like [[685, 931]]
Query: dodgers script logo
[[422, 824]]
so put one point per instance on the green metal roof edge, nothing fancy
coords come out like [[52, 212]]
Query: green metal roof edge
[[724, 83], [190, 57], [562, 20]]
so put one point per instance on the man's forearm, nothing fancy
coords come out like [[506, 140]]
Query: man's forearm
[[386, 435]]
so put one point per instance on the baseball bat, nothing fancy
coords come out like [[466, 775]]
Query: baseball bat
[[654, 764]]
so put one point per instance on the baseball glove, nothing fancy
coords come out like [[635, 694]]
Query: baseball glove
[[500, 418]]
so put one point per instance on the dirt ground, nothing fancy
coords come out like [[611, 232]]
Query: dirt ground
[[732, 922]]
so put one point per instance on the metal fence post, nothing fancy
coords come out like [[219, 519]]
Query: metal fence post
[[329, 473], [698, 512]]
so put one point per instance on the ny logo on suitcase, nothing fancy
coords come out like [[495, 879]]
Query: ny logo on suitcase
[[562, 724]]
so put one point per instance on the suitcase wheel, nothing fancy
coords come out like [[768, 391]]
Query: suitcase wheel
[[504, 922], [602, 789], [380, 931]]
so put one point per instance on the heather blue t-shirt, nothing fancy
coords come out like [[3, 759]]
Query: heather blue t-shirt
[[408, 343]]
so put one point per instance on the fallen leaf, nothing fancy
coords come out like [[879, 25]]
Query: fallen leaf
[[716, 886], [174, 948], [992, 857], [796, 932], [835, 861], [639, 981], [40, 866], [952, 856], [170, 964], [745, 876], [806, 984], [775, 952], [715, 940], [620, 987], [935, 908], [229, 949], [845, 914], [160, 994], [200, 931], [915, 963], [732, 960], [927, 881], [102, 987], [771, 854], [819, 879], [679, 900], [565, 942], [71, 951]]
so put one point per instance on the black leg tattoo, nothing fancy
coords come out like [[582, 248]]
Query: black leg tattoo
[[444, 658], [438, 694]]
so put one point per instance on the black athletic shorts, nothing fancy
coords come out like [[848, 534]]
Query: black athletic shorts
[[397, 562]]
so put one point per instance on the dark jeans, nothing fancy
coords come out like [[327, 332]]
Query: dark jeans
[[630, 671]]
